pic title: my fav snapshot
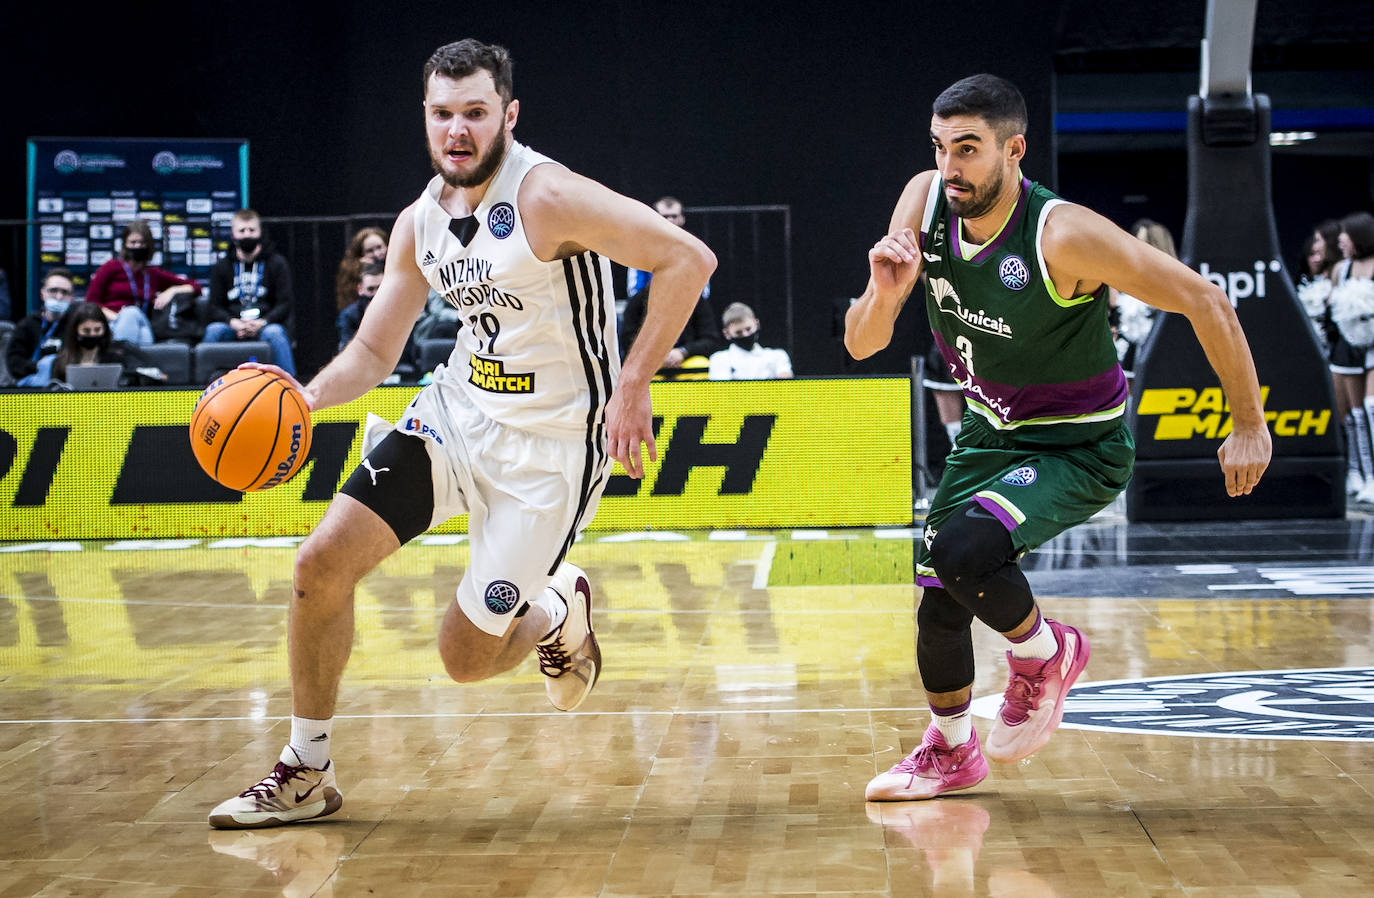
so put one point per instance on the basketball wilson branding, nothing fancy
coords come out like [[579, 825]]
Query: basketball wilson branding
[[285, 465], [501, 220], [947, 301], [1328, 704], [1023, 476], [1014, 273], [490, 375], [502, 596]]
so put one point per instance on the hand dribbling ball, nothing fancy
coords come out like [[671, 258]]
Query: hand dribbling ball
[[251, 430]]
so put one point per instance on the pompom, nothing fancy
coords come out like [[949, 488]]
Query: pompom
[[1313, 296], [1352, 308], [1136, 318]]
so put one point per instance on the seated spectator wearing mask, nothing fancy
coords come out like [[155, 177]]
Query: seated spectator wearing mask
[[251, 296], [86, 340], [39, 334], [744, 358], [129, 289]]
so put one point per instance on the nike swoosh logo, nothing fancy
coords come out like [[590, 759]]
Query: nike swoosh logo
[[302, 797]]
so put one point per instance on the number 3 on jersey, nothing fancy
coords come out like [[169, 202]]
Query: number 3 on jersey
[[490, 325], [965, 347]]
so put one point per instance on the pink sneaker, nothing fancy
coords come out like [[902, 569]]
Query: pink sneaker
[[1033, 704], [932, 769]]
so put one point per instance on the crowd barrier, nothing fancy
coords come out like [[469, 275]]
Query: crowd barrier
[[732, 454]]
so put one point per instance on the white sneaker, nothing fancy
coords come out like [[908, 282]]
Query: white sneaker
[[291, 792], [1354, 483], [570, 657]]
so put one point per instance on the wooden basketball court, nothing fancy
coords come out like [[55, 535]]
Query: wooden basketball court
[[753, 683]]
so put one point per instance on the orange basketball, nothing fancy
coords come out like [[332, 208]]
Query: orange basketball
[[251, 430]]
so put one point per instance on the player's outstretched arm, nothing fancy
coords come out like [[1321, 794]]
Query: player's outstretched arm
[[894, 264], [565, 214], [1084, 249]]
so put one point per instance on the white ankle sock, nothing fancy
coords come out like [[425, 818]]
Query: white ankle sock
[[954, 724], [310, 740], [1039, 643], [555, 606]]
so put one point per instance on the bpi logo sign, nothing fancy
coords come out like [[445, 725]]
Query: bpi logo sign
[[1329, 704], [1241, 284]]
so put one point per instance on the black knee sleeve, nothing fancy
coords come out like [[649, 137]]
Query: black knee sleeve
[[944, 642], [975, 559]]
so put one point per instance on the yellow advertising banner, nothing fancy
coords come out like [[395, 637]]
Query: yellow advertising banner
[[732, 454]]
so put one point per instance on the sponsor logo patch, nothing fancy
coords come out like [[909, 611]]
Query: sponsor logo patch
[[1331, 704], [502, 596], [491, 375]]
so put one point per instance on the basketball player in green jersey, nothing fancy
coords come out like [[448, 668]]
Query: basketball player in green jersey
[[1016, 295]]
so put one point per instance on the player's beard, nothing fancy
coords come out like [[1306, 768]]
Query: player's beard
[[486, 166], [981, 200]]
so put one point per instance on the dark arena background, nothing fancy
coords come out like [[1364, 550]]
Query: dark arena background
[[754, 592]]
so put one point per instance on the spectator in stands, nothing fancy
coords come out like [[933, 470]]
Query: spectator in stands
[[1352, 308], [129, 289], [250, 292], [86, 340], [6, 306], [1132, 319], [368, 245], [744, 358], [39, 334], [351, 317], [699, 338]]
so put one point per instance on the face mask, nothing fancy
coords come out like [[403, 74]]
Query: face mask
[[86, 341], [745, 341], [55, 307], [248, 244], [138, 253]]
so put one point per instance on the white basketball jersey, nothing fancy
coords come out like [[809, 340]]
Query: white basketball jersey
[[536, 347]]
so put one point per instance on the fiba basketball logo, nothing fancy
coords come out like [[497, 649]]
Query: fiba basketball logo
[[1014, 273], [501, 220], [1023, 476], [502, 596], [66, 162], [165, 163]]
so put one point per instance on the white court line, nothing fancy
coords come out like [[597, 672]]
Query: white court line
[[461, 715], [764, 565]]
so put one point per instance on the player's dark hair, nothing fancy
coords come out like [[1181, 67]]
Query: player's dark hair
[[1359, 227], [994, 100], [461, 58]]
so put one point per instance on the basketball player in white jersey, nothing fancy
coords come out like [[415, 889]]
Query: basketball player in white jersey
[[515, 430]]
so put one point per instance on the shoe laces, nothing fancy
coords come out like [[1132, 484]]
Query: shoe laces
[[273, 782], [927, 757], [1022, 696], [553, 660]]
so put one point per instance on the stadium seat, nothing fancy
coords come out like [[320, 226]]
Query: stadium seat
[[6, 333], [214, 359], [173, 359], [432, 352]]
